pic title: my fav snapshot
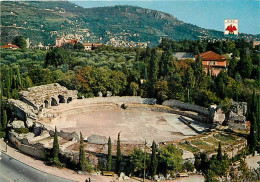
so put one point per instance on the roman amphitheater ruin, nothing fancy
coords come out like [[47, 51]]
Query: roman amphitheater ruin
[[41, 108]]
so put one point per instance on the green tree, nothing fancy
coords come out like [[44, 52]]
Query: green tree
[[17, 77], [170, 159], [232, 88], [134, 87], [82, 157], [57, 56], [20, 42], [137, 158], [188, 166], [162, 90], [210, 176], [27, 82], [54, 159], [154, 159], [118, 82], [219, 155], [154, 66], [229, 46], [189, 81], [55, 148], [68, 46], [232, 66], [201, 162], [221, 82], [118, 155], [94, 80], [258, 115], [109, 155], [245, 65], [40, 76], [198, 69], [204, 97], [167, 64], [153, 72], [79, 46], [4, 123], [252, 139]]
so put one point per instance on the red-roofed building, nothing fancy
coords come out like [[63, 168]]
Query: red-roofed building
[[10, 46], [60, 41], [213, 62]]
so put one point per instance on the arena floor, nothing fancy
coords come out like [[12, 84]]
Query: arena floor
[[108, 120]]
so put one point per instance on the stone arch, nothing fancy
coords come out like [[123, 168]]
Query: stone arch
[[54, 102], [61, 99], [46, 104], [69, 99]]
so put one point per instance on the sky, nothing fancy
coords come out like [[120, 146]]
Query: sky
[[208, 14]]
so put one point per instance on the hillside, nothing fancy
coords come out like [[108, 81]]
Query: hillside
[[43, 21]]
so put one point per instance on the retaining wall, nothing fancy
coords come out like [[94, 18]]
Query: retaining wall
[[186, 106], [159, 108], [35, 151]]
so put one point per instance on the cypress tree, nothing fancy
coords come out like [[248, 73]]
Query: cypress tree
[[153, 71], [109, 155], [258, 116], [219, 155], [154, 160], [153, 66], [55, 148], [82, 157], [166, 67], [208, 73], [254, 103], [18, 78], [252, 140], [118, 155], [198, 69], [4, 124]]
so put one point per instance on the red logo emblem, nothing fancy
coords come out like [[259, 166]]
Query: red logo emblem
[[231, 29]]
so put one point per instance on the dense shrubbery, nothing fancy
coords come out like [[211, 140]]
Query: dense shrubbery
[[166, 160]]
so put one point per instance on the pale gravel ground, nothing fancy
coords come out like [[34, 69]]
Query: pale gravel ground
[[107, 120], [135, 126]]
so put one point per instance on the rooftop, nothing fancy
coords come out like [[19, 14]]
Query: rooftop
[[210, 55]]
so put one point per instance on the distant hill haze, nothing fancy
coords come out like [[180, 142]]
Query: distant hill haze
[[44, 21]]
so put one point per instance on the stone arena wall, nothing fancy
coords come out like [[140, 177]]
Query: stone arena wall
[[159, 108], [186, 106], [121, 100]]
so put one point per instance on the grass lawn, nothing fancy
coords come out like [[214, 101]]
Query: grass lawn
[[188, 147], [203, 145], [227, 140], [212, 140]]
